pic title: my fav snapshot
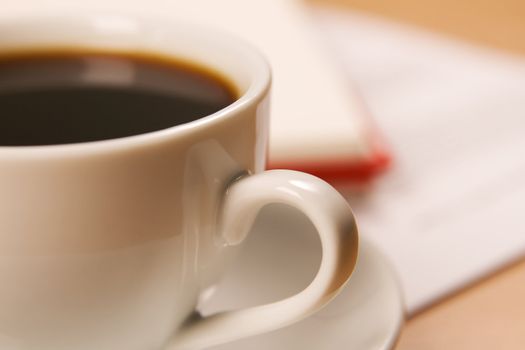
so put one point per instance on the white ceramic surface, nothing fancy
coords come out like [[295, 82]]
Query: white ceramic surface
[[281, 256], [110, 244]]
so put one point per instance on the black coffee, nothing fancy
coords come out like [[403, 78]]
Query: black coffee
[[67, 97]]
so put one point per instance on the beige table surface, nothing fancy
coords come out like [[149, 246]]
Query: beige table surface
[[491, 313], [488, 315]]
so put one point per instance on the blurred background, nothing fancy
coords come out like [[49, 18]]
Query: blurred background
[[497, 24]]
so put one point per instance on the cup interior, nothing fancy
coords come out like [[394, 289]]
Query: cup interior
[[236, 62]]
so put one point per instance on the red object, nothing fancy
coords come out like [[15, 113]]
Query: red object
[[347, 172]]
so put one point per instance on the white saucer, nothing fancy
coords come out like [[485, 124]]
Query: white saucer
[[280, 258]]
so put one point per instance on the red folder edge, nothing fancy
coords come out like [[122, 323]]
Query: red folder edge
[[347, 172]]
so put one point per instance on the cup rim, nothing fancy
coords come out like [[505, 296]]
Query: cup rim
[[256, 91]]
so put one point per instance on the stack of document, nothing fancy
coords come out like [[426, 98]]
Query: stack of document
[[450, 210]]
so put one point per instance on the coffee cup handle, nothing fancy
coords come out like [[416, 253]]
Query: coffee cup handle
[[335, 224]]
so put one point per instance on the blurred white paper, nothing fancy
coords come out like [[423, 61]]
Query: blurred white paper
[[451, 209]]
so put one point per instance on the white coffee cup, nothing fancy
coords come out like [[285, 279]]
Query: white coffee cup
[[109, 244]]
